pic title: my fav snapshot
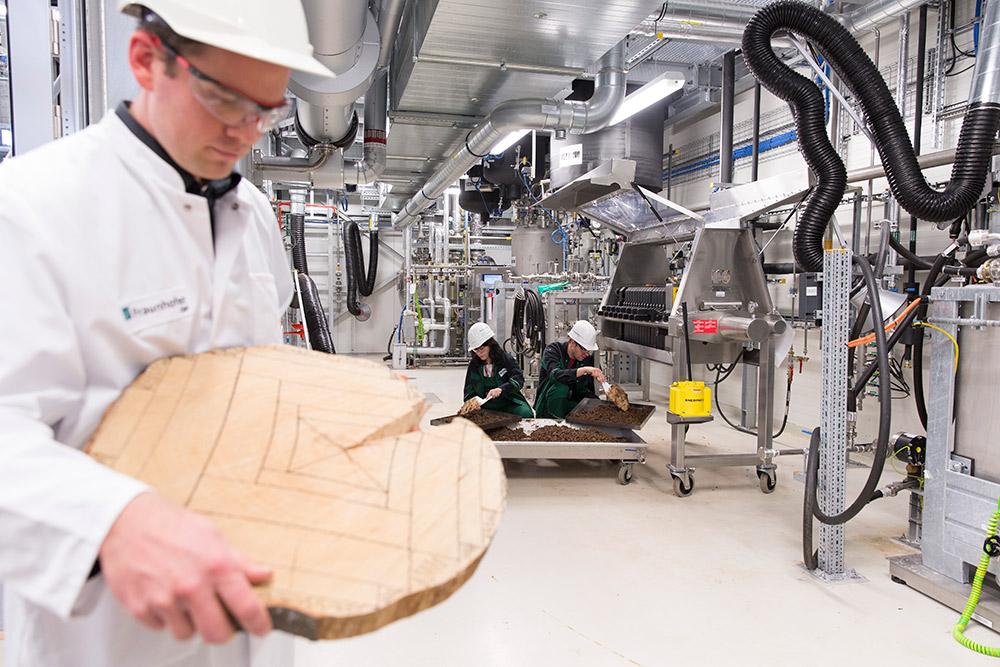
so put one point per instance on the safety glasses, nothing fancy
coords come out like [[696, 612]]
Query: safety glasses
[[230, 106]]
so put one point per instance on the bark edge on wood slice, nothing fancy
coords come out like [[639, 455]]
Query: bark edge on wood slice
[[310, 464]]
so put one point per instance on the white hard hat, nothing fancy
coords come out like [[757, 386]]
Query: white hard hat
[[479, 333], [250, 28], [585, 335]]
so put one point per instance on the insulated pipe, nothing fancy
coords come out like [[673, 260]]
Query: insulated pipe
[[854, 67], [444, 327], [367, 170], [345, 38], [876, 13], [536, 114], [303, 165], [702, 11], [388, 24], [986, 75], [708, 14]]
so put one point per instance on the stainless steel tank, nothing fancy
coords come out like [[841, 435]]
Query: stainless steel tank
[[534, 251]]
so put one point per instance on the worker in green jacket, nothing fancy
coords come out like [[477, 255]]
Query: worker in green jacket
[[568, 372], [493, 374]]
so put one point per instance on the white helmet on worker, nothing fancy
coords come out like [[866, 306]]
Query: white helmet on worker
[[479, 334], [585, 335], [246, 27]]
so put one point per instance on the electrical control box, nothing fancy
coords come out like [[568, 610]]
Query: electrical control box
[[810, 296]]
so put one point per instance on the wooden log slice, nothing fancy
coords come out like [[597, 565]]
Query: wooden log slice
[[310, 463]]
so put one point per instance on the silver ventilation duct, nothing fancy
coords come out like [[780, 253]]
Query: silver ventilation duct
[[986, 75], [876, 13], [707, 16], [533, 114], [345, 38]]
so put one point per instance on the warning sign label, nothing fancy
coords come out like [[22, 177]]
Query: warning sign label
[[705, 326]]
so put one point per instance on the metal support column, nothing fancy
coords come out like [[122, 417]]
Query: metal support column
[[72, 80], [728, 100], [765, 401], [748, 398], [31, 90], [833, 451], [755, 138]]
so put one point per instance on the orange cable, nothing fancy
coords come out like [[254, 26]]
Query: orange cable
[[889, 327]]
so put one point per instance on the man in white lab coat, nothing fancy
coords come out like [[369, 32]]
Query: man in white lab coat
[[130, 241]]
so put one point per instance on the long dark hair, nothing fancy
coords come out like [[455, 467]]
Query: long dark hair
[[496, 353]]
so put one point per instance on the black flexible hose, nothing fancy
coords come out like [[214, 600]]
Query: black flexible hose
[[354, 265], [933, 279], [312, 309], [720, 378], [845, 55], [885, 411], [920, 312], [368, 286], [905, 253], [297, 228], [809, 501]]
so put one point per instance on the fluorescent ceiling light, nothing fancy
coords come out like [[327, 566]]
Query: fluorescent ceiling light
[[508, 141], [649, 94]]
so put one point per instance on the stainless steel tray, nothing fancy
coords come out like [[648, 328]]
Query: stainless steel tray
[[589, 403]]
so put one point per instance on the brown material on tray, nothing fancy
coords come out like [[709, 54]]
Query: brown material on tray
[[470, 406], [481, 418], [618, 396], [607, 413], [307, 463], [554, 433]]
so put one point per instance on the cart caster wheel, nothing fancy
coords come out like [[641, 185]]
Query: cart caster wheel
[[683, 491], [624, 474], [767, 482]]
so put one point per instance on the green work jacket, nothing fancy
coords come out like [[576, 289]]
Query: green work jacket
[[507, 376], [559, 390]]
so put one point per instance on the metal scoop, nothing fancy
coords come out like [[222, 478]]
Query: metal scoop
[[616, 395]]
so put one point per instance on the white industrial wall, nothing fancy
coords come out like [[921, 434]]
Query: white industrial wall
[[805, 399], [349, 334]]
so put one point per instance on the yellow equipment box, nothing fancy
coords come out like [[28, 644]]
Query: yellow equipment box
[[690, 399]]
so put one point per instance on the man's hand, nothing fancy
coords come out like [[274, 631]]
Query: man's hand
[[493, 393], [591, 371], [170, 567]]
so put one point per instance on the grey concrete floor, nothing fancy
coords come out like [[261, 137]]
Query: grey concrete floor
[[586, 572]]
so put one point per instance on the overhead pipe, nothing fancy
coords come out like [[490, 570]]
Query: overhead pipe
[[501, 65], [320, 170], [872, 14], [532, 114], [345, 38], [708, 15], [388, 25], [367, 170]]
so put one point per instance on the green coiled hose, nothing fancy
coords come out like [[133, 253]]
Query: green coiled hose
[[977, 589]]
